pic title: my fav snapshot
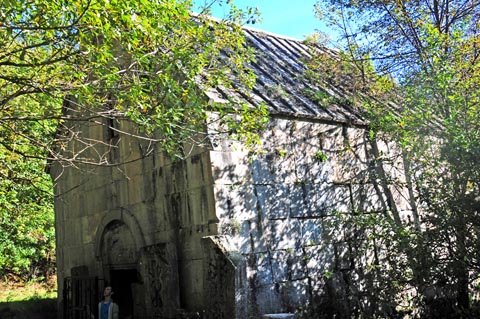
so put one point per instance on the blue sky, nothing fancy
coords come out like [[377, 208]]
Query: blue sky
[[294, 18]]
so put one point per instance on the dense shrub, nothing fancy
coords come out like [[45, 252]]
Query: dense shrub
[[27, 234]]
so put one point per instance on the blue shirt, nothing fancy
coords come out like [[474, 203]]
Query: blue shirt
[[104, 310]]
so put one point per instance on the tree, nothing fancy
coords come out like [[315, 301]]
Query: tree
[[27, 236], [103, 61], [429, 50]]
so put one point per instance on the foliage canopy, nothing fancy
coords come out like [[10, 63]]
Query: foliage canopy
[[103, 61], [424, 55]]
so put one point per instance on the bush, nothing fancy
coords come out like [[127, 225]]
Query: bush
[[27, 233]]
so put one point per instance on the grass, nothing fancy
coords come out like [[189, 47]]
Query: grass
[[28, 300]]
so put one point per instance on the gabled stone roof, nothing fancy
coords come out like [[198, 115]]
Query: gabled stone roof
[[281, 83]]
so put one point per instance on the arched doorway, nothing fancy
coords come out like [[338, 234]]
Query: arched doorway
[[144, 277], [119, 255]]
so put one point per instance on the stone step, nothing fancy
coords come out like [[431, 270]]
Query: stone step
[[279, 315]]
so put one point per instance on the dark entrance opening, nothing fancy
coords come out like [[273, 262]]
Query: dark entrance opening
[[121, 282]]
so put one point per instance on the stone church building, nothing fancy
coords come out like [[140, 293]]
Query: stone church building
[[224, 233]]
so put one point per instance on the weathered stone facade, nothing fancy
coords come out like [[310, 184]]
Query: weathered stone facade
[[277, 207], [225, 233]]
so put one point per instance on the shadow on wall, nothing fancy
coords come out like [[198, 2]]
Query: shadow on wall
[[293, 212]]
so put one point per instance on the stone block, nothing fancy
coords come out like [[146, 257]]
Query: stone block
[[390, 157], [92, 201], [274, 200], [303, 164], [191, 243], [259, 236], [74, 256], [277, 166], [309, 165], [198, 169], [281, 131], [283, 233], [241, 233], [304, 128], [268, 133], [192, 282], [294, 293], [164, 179], [320, 171], [261, 169], [136, 189], [73, 233], [287, 265], [316, 200], [230, 167], [135, 168], [368, 198], [335, 199], [319, 260], [224, 278], [149, 187], [175, 175], [267, 298], [89, 224], [349, 167], [259, 269], [279, 316], [197, 209], [331, 139], [311, 230], [158, 264], [74, 203], [333, 228], [279, 265], [394, 169], [235, 202], [299, 205], [177, 204], [283, 166], [356, 137]]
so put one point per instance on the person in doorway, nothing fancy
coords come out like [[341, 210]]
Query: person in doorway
[[107, 309]]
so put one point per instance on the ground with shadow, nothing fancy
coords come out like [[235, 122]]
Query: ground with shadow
[[29, 309], [28, 300]]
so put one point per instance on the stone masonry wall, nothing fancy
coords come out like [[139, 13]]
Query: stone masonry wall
[[277, 206], [150, 200]]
